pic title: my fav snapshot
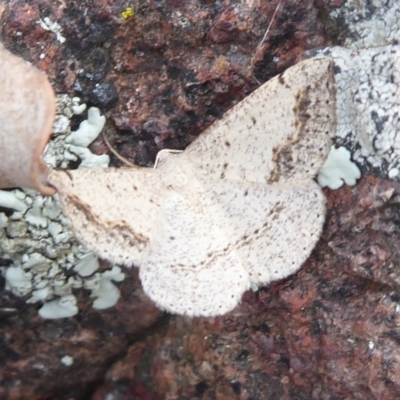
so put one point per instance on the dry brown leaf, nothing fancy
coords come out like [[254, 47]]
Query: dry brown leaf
[[27, 104]]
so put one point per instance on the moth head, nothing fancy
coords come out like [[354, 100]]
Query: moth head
[[175, 171]]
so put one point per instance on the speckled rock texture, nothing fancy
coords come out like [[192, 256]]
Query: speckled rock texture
[[172, 69], [31, 348], [162, 76]]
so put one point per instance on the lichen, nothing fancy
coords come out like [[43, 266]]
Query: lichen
[[47, 262]]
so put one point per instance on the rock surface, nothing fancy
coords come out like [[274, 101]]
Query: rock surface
[[329, 332], [32, 349], [169, 71]]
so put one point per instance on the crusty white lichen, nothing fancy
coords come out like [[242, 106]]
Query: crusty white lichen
[[51, 26], [338, 169], [370, 23], [48, 263], [367, 82], [368, 106]]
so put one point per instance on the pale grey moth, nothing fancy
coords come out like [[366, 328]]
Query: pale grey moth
[[239, 207]]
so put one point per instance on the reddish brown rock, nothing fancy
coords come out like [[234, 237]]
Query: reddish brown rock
[[172, 69], [31, 348]]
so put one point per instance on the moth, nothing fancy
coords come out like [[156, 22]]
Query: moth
[[239, 207]]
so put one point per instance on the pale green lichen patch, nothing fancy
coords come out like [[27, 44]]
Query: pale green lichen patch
[[48, 263]]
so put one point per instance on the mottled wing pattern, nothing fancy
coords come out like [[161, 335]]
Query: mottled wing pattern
[[215, 238], [238, 206], [280, 131], [189, 268], [271, 228], [113, 211]]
